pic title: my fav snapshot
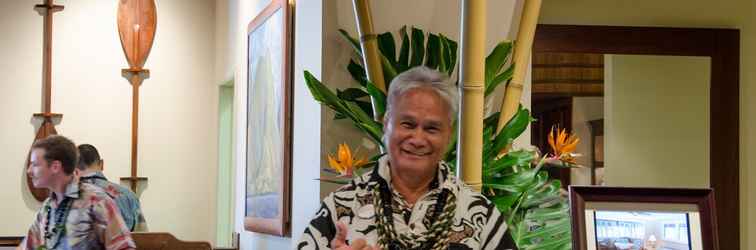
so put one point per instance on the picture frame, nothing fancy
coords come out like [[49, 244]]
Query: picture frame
[[642, 218], [269, 121]]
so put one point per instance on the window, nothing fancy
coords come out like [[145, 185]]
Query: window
[[676, 232], [615, 229]]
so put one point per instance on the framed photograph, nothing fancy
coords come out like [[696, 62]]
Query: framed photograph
[[618, 218], [268, 169]]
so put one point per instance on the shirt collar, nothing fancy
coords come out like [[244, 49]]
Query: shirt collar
[[95, 174], [71, 191]]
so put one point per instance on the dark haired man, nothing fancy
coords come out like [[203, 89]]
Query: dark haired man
[[91, 166], [76, 215]]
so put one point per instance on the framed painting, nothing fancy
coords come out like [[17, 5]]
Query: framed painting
[[268, 166], [606, 218]]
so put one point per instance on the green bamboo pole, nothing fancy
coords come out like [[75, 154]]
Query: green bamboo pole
[[523, 46], [472, 77], [369, 44]]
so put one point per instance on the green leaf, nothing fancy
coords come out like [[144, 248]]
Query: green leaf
[[557, 243], [366, 107], [559, 227], [372, 129], [495, 61], [357, 112], [504, 76], [378, 97], [514, 183], [541, 214], [449, 54], [403, 62], [513, 128], [351, 94], [549, 193], [433, 51], [322, 94], [353, 41], [387, 47], [357, 72], [491, 121], [389, 72], [513, 158], [504, 202], [418, 50]]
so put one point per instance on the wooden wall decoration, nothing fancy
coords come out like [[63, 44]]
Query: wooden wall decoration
[[47, 127], [137, 20]]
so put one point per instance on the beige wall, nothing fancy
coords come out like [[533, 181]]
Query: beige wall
[[177, 117], [687, 13], [656, 121], [584, 109]]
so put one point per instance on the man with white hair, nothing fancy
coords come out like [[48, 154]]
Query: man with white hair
[[411, 200]]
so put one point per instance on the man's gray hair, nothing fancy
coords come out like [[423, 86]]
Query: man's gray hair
[[422, 76]]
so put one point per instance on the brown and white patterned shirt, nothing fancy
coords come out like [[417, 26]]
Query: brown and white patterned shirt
[[477, 224]]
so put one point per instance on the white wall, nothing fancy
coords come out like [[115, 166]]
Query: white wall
[[178, 108], [584, 109], [656, 121]]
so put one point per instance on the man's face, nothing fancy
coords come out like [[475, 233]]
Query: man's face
[[41, 172], [418, 131]]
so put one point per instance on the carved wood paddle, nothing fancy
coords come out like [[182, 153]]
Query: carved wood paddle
[[47, 127], [137, 20]]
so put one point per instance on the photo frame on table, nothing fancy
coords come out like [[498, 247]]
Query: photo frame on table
[[268, 143], [642, 218]]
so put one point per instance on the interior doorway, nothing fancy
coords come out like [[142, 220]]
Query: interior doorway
[[225, 201]]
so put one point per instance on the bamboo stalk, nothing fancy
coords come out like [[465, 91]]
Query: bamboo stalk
[[472, 77], [523, 46], [369, 44]]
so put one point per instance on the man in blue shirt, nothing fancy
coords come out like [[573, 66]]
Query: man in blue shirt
[[90, 168]]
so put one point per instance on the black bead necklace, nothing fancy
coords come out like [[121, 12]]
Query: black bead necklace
[[387, 216], [60, 225]]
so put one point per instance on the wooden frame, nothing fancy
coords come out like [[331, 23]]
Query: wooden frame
[[632, 198], [267, 200], [723, 47]]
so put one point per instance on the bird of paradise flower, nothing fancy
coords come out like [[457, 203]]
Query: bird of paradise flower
[[563, 146], [344, 164]]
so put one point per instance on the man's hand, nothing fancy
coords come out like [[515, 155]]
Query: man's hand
[[339, 242]]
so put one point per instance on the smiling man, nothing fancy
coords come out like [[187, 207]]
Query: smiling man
[[411, 200], [76, 216]]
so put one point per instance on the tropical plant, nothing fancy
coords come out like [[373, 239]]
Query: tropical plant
[[536, 212]]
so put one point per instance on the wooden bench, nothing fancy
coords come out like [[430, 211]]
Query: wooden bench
[[146, 241], [166, 241]]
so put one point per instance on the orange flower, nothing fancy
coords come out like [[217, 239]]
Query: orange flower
[[563, 145], [344, 162]]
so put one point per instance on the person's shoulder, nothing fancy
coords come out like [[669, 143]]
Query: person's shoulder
[[122, 190], [93, 192]]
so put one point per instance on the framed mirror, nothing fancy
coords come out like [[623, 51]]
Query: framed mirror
[[714, 50]]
